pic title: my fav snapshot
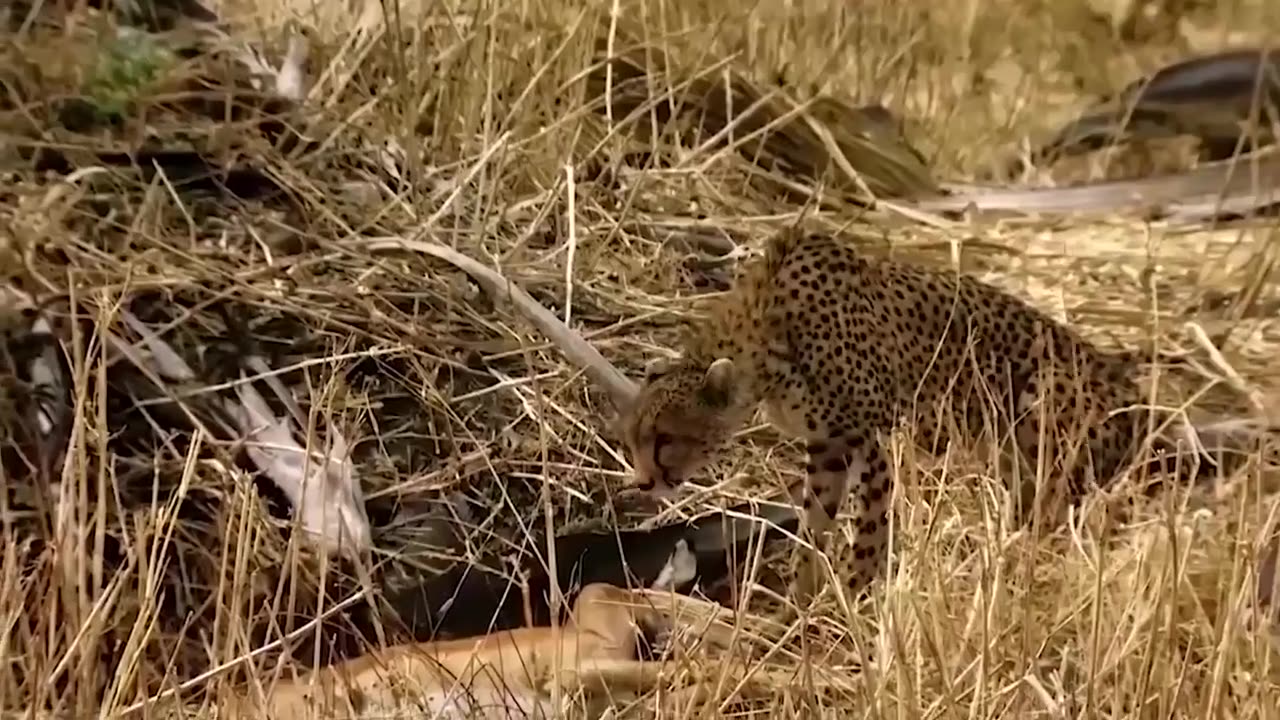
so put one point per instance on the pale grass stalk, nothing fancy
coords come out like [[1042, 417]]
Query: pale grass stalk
[[979, 615], [571, 194], [155, 556]]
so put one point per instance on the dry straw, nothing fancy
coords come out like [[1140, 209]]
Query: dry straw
[[228, 232]]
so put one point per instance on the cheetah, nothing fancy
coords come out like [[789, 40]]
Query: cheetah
[[841, 348]]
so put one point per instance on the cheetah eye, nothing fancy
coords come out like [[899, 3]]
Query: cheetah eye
[[660, 441]]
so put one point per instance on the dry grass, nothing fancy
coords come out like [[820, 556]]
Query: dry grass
[[468, 123]]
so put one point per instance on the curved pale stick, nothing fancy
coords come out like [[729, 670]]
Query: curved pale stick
[[620, 388]]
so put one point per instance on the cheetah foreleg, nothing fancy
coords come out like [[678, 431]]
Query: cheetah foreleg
[[834, 466]]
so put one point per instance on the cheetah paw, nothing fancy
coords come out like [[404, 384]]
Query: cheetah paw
[[809, 584]]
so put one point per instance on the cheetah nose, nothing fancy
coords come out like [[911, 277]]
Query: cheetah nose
[[656, 485]]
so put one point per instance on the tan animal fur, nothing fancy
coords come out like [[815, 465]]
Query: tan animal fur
[[841, 348], [506, 674]]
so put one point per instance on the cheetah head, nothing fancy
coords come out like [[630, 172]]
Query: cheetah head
[[684, 413]]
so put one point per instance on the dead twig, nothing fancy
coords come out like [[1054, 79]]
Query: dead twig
[[622, 390]]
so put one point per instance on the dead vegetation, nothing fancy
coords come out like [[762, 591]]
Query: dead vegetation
[[234, 226]]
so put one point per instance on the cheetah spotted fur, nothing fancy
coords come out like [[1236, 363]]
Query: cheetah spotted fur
[[841, 348]]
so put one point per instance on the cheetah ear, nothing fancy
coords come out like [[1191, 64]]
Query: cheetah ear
[[717, 385], [617, 426], [658, 366]]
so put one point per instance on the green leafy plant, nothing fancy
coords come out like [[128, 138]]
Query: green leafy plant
[[127, 65]]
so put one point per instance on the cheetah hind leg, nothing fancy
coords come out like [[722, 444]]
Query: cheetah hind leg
[[833, 465]]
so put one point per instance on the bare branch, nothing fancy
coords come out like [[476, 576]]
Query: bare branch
[[1239, 186], [579, 351]]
